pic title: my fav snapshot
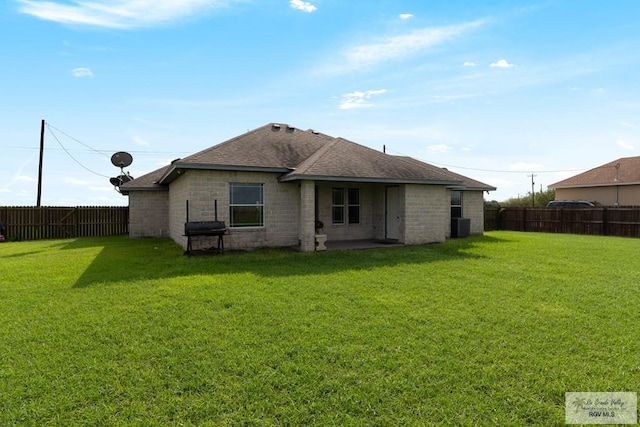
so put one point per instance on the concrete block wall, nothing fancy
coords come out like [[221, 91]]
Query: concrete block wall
[[473, 208], [424, 210], [202, 188], [149, 214], [427, 212]]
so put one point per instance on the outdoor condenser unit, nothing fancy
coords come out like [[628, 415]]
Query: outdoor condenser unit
[[460, 227]]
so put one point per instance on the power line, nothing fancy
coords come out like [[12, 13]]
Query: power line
[[70, 155], [487, 170], [75, 139]]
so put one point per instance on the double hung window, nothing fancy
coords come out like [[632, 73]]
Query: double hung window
[[456, 204], [345, 206], [246, 205]]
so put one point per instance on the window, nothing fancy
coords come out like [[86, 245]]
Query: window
[[246, 205], [354, 206], [456, 204], [345, 206], [338, 207]]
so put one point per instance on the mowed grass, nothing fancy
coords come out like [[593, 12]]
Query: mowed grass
[[489, 330]]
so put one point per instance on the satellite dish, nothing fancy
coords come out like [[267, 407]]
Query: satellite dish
[[121, 159], [115, 182]]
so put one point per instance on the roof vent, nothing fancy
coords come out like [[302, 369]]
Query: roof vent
[[275, 126], [290, 128]]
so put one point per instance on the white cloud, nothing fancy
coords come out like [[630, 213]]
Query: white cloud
[[439, 148], [624, 144], [303, 6], [406, 15], [503, 63], [82, 72], [117, 13], [401, 46], [359, 99], [627, 124], [469, 64]]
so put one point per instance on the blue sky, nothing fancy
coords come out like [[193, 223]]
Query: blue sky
[[495, 90]]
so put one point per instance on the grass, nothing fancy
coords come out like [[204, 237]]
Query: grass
[[488, 330]]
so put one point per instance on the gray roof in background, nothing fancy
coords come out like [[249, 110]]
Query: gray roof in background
[[299, 155]]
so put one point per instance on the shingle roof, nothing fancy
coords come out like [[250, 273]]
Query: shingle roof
[[342, 159], [148, 181], [627, 172], [269, 146], [299, 154]]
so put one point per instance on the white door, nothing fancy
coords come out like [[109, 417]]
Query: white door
[[392, 213]]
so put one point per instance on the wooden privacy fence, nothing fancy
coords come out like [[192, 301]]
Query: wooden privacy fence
[[35, 223], [607, 221]]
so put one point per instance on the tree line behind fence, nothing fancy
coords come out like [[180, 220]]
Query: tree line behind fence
[[36, 223], [606, 221]]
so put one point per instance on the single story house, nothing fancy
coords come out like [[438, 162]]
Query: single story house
[[616, 183], [272, 185]]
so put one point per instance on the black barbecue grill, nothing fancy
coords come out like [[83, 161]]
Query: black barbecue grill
[[205, 228]]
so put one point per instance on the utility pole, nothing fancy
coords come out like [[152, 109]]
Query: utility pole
[[40, 165], [533, 194]]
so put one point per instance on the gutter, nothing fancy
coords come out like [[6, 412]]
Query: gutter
[[179, 168]]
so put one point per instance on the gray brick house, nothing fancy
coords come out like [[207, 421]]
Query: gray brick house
[[271, 185]]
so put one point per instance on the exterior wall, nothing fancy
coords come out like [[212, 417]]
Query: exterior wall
[[625, 195], [202, 188], [148, 214], [289, 211], [427, 214], [473, 208]]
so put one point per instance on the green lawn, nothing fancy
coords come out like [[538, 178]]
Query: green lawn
[[488, 330]]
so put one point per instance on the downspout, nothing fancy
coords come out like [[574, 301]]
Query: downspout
[[617, 203]]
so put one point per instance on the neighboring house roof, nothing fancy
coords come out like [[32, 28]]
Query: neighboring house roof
[[624, 171], [301, 155]]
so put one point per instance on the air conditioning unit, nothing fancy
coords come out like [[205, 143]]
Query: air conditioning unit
[[460, 227]]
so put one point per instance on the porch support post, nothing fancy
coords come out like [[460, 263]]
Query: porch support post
[[307, 216]]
